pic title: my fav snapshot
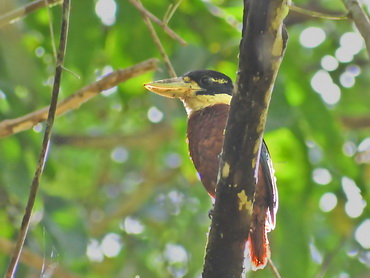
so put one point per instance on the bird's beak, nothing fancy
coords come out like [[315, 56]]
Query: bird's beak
[[174, 87]]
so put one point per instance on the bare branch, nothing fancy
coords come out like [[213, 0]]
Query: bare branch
[[9, 127], [18, 13], [162, 24], [45, 143], [356, 122], [360, 19]]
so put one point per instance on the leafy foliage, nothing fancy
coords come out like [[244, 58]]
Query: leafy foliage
[[137, 208]]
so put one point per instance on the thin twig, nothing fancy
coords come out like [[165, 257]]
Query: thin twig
[[220, 13], [329, 258], [35, 261], [158, 43], [74, 101], [360, 19], [166, 14], [18, 13], [71, 72], [45, 144], [171, 10], [52, 37], [311, 13], [274, 269], [161, 49], [152, 17]]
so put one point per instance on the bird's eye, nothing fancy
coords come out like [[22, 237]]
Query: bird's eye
[[205, 82]]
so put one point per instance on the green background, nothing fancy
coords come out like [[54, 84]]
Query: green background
[[141, 197]]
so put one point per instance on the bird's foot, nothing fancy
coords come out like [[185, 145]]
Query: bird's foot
[[210, 212]]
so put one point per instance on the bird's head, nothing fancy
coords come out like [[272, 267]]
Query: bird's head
[[197, 89]]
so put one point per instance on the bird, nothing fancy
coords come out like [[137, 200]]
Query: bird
[[206, 95]]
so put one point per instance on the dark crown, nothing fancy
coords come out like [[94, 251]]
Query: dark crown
[[212, 82]]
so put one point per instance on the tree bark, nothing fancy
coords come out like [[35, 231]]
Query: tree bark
[[261, 51]]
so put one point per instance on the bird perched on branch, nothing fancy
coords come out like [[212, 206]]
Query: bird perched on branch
[[206, 95]]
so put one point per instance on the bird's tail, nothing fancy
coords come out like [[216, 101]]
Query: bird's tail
[[259, 249]]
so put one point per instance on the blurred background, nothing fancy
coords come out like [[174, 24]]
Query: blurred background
[[119, 196]]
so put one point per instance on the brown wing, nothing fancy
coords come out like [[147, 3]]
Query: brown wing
[[205, 138]]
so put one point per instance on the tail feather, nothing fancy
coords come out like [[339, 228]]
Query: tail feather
[[259, 249]]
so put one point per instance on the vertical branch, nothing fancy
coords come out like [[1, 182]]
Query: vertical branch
[[45, 144], [261, 50], [360, 19]]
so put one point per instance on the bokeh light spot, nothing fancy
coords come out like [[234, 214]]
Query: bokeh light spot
[[323, 84], [349, 148], [175, 253], [173, 160], [329, 63], [352, 42], [343, 55], [331, 96], [355, 203], [39, 51], [111, 245], [328, 202], [106, 11], [347, 80], [312, 37], [132, 226], [354, 70], [321, 81], [354, 209], [364, 145], [362, 234], [100, 74], [321, 176], [37, 128], [315, 253], [119, 154], [94, 252], [155, 115]]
